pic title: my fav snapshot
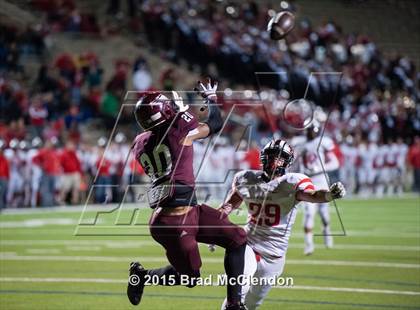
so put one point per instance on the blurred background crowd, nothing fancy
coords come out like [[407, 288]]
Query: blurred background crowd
[[66, 65]]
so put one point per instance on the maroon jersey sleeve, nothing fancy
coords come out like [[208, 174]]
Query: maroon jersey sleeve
[[139, 144]]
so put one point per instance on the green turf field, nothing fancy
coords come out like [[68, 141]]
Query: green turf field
[[45, 266]]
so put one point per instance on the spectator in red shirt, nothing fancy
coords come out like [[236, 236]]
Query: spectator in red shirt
[[413, 158], [65, 63], [103, 192], [4, 176], [49, 161], [71, 177], [38, 115]]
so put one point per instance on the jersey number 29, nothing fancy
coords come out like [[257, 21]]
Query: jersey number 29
[[269, 217]]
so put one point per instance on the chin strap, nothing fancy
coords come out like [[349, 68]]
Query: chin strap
[[265, 177], [279, 171]]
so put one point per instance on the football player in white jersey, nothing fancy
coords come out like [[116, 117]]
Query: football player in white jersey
[[366, 173], [271, 196], [16, 182], [381, 169], [35, 172], [396, 162], [25, 172], [318, 159], [348, 172]]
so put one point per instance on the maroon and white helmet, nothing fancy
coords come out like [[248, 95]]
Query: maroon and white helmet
[[154, 109], [276, 156]]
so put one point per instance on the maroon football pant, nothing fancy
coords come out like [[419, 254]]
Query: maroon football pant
[[179, 235]]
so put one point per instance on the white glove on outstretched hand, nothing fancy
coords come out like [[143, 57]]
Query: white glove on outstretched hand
[[207, 91], [337, 190]]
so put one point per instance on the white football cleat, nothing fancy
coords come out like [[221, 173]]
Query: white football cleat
[[328, 240], [309, 249]]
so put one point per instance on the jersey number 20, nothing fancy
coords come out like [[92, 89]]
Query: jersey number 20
[[159, 164], [269, 217]]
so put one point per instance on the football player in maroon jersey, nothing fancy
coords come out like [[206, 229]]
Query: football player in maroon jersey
[[178, 223]]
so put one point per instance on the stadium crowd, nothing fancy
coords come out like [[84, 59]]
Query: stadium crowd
[[48, 174], [233, 38], [45, 159]]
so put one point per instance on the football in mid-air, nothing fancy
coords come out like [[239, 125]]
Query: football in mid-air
[[280, 25]]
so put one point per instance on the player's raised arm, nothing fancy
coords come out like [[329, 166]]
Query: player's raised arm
[[214, 122], [336, 191]]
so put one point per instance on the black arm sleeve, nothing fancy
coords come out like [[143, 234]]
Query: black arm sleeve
[[214, 119]]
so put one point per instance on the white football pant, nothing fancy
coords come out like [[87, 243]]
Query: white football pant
[[253, 295]]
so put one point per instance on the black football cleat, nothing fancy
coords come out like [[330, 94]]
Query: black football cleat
[[136, 282], [240, 306]]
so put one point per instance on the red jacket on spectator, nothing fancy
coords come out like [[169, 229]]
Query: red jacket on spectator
[[4, 167], [338, 153], [413, 156], [252, 157], [49, 161], [135, 167], [69, 161], [104, 167], [65, 61]]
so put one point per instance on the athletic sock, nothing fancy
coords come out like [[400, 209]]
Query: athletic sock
[[309, 238], [234, 267]]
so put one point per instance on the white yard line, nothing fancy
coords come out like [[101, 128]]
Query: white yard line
[[62, 280], [42, 226], [42, 251], [135, 233], [41, 222], [87, 248], [72, 209], [131, 206], [367, 247], [351, 263], [110, 259], [31, 223], [116, 243], [133, 244], [387, 234], [349, 289], [295, 287], [7, 256]]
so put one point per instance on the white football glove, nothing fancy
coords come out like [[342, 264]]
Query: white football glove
[[179, 102], [337, 190], [207, 91]]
